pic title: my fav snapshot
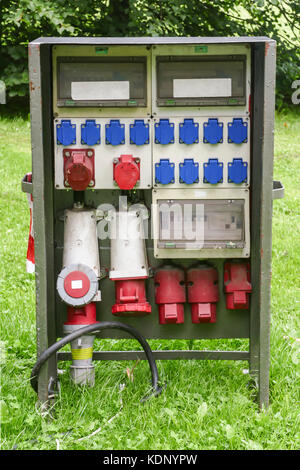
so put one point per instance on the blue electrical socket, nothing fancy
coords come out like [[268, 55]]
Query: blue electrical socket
[[164, 132], [237, 171], [237, 131], [213, 131], [189, 171], [139, 132], [164, 171], [90, 132], [188, 132], [66, 133], [213, 171], [115, 132]]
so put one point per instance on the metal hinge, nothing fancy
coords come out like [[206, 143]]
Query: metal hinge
[[278, 190]]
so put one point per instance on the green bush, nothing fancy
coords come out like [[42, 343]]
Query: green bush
[[25, 20]]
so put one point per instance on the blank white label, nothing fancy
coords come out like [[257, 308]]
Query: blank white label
[[76, 284], [100, 90], [201, 87]]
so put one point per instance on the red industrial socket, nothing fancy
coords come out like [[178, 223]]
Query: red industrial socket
[[170, 294], [85, 315], [237, 285], [130, 298], [79, 168], [203, 293], [126, 171]]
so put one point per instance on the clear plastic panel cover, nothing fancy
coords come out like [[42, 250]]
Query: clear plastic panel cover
[[196, 224], [193, 81], [86, 81]]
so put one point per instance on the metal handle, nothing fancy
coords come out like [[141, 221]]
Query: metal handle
[[26, 184], [278, 190]]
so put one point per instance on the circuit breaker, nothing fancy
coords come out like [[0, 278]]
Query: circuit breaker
[[152, 190]]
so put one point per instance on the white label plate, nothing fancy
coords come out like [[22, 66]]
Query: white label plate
[[201, 87], [100, 90]]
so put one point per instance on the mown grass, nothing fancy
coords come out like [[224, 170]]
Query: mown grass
[[207, 405]]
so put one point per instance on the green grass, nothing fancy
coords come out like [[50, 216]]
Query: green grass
[[207, 405]]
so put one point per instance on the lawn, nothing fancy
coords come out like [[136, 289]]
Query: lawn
[[207, 404]]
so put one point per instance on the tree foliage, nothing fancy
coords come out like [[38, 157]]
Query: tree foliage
[[24, 20]]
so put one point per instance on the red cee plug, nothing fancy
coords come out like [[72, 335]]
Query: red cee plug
[[85, 315], [237, 285], [203, 293], [170, 294]]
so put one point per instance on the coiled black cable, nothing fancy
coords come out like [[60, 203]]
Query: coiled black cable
[[105, 325]]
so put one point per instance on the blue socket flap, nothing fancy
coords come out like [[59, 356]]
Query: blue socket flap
[[237, 131], [188, 132], [164, 132], [213, 171], [66, 132], [213, 132], [90, 132], [189, 171], [139, 132], [237, 171], [164, 171], [115, 132]]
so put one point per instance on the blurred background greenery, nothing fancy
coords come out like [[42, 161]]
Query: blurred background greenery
[[22, 21]]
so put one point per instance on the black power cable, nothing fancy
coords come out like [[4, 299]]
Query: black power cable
[[105, 325]]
